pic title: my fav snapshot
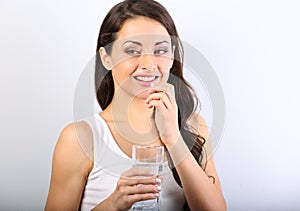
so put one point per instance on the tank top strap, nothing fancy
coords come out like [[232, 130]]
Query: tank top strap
[[107, 154]]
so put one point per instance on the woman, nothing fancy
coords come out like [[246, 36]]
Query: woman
[[145, 100]]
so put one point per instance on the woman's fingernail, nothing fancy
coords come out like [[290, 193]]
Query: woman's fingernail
[[158, 187], [157, 180], [156, 194]]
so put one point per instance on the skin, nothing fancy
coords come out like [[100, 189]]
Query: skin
[[72, 165]]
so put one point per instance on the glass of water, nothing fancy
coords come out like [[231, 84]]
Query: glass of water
[[152, 158]]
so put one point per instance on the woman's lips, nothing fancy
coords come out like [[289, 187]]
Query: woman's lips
[[146, 80]]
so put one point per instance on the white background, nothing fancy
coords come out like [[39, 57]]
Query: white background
[[252, 45]]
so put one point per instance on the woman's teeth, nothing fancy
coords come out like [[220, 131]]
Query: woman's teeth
[[146, 78]]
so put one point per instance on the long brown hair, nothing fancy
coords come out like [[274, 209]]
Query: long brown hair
[[185, 97]]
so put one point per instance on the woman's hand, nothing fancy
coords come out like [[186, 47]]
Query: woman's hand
[[134, 185], [162, 97]]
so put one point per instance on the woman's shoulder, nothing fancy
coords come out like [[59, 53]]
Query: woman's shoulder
[[70, 168], [198, 125], [75, 146], [73, 128], [79, 133]]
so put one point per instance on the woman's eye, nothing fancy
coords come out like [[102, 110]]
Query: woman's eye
[[160, 52], [133, 52]]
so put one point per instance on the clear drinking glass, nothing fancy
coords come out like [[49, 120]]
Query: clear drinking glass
[[152, 158]]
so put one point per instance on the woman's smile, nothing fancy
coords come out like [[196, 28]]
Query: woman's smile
[[146, 80]]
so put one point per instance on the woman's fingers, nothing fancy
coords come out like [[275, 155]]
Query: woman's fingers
[[137, 176], [164, 87], [142, 197], [159, 96], [158, 104], [135, 184], [162, 96], [153, 180], [141, 189]]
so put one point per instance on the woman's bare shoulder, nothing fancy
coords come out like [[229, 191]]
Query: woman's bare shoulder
[[75, 145], [71, 166], [198, 125]]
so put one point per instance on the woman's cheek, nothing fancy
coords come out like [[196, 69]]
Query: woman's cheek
[[122, 72], [165, 76]]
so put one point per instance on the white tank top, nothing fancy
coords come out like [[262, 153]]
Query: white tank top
[[110, 161]]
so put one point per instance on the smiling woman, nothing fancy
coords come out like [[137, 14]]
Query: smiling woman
[[143, 59], [145, 101]]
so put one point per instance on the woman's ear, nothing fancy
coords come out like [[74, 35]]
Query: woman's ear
[[105, 58]]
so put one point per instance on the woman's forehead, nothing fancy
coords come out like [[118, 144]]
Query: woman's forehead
[[144, 40], [139, 26]]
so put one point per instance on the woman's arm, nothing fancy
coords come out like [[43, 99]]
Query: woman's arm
[[202, 192], [70, 168]]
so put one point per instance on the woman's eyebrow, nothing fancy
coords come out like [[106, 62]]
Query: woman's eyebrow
[[158, 43], [140, 44], [131, 41]]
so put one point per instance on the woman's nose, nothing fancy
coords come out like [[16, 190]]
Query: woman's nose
[[147, 61]]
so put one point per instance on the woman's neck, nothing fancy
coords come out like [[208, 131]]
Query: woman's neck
[[124, 107], [131, 119]]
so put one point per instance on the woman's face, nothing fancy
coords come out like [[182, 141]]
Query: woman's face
[[141, 56]]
